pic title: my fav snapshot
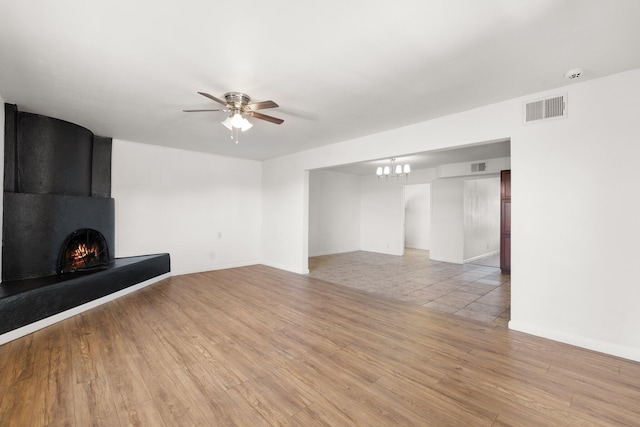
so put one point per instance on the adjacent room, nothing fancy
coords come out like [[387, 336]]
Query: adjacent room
[[361, 222], [295, 213]]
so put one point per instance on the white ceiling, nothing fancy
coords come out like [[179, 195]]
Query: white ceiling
[[338, 69]]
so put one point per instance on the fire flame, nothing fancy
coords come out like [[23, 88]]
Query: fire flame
[[83, 254]]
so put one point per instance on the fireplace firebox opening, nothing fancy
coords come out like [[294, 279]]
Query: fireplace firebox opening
[[84, 249]]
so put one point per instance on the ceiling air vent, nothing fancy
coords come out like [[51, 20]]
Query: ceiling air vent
[[478, 167], [544, 109]]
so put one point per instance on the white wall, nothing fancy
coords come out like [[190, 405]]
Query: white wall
[[481, 217], [349, 213], [417, 216], [334, 213], [575, 228], [285, 208], [382, 216], [447, 220], [570, 194], [202, 209], [382, 213], [465, 218]]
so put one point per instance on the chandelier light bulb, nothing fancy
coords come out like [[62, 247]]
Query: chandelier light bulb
[[407, 168], [387, 170], [379, 171]]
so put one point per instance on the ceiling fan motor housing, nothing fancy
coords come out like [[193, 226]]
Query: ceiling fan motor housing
[[236, 99]]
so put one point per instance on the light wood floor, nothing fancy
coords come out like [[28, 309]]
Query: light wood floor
[[257, 346]]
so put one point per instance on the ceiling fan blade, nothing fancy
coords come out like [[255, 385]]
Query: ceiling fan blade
[[219, 101], [262, 105], [267, 118], [194, 111]]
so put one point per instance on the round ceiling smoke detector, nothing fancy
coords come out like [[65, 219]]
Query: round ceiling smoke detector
[[573, 74]]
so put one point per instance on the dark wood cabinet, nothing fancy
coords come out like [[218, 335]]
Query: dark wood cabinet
[[505, 221]]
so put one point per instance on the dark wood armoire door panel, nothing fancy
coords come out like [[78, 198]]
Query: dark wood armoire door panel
[[506, 214]]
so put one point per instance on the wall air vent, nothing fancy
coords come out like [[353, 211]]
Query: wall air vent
[[545, 109], [478, 167]]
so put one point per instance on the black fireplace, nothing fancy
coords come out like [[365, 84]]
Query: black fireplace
[[57, 182], [58, 226]]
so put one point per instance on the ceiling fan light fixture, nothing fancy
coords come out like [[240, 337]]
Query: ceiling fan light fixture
[[237, 121], [227, 123], [239, 105], [246, 125]]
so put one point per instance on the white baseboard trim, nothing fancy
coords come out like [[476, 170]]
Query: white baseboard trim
[[286, 268], [482, 256], [449, 260], [384, 252], [215, 267], [579, 341], [237, 265], [332, 252], [414, 247], [48, 321]]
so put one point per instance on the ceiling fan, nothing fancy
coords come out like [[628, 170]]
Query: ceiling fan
[[240, 107]]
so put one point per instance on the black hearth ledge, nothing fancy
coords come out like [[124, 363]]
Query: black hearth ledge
[[23, 302]]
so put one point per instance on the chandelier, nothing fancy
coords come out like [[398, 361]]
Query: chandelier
[[393, 170]]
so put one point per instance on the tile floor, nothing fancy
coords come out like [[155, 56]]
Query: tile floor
[[474, 291]]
